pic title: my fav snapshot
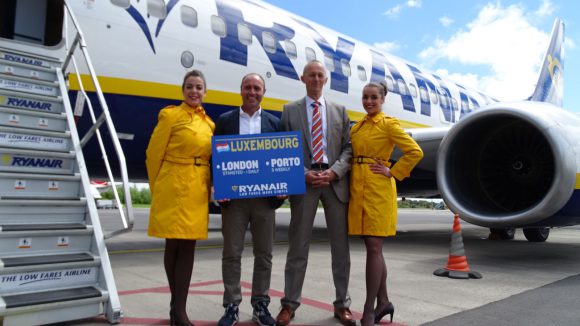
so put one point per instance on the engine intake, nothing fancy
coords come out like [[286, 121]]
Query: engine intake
[[507, 165]]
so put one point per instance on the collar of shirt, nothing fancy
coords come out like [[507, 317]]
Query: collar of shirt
[[376, 118], [199, 110], [250, 124], [310, 100]]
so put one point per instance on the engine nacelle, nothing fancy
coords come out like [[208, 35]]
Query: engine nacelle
[[511, 164]]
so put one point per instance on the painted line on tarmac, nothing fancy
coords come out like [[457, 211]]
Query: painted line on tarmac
[[128, 320]]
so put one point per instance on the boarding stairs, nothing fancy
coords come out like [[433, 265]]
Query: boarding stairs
[[54, 264]]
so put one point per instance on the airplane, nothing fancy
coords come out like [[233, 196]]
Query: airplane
[[501, 165]]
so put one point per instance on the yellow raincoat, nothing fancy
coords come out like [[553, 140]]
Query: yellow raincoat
[[179, 173], [373, 197]]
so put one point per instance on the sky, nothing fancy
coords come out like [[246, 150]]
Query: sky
[[494, 46]]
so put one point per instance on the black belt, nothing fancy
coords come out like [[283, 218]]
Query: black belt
[[319, 166]]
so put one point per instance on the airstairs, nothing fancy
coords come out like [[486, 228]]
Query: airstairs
[[54, 264]]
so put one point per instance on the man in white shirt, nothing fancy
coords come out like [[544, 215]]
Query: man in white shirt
[[259, 213]]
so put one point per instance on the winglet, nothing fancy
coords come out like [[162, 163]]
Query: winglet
[[550, 86]]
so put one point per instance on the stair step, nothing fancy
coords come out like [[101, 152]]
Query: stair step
[[39, 186], [28, 58], [46, 259], [27, 161], [32, 120], [42, 212], [27, 70], [35, 139], [40, 227], [45, 242], [64, 272], [31, 102], [31, 299], [29, 86]]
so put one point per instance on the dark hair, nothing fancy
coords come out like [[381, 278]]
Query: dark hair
[[253, 74], [194, 73], [382, 86]]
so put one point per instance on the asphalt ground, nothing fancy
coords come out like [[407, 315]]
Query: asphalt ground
[[523, 283]]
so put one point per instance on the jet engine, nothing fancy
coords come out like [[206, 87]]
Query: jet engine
[[512, 165]]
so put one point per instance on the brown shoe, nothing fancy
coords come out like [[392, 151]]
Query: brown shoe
[[284, 316], [345, 316]]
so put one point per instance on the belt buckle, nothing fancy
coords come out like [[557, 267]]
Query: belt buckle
[[195, 161], [359, 159]]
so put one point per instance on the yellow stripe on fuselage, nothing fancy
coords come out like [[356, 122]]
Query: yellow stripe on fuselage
[[577, 181], [121, 86]]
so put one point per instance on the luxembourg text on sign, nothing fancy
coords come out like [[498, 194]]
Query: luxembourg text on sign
[[260, 165]]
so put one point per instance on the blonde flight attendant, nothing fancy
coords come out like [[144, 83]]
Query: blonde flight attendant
[[179, 178], [372, 211]]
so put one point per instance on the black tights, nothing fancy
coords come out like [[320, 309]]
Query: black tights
[[178, 261], [376, 276]]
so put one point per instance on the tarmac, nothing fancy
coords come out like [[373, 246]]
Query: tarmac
[[523, 283]]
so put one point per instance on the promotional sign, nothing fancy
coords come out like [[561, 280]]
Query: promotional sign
[[260, 165]]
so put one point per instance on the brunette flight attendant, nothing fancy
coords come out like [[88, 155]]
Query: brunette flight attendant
[[179, 178], [372, 211]]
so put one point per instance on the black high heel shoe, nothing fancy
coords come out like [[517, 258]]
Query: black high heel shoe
[[388, 310], [173, 321]]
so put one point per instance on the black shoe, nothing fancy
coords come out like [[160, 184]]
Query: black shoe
[[388, 310], [261, 315], [230, 316]]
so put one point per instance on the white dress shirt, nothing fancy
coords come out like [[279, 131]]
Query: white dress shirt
[[250, 125]]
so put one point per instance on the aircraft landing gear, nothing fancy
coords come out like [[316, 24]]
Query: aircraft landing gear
[[502, 234], [537, 234]]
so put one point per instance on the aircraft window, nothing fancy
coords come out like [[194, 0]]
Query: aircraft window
[[310, 54], [188, 16], [122, 3], [269, 41], [156, 8], [434, 97], [291, 49], [413, 90], [402, 87], [187, 59], [444, 100], [244, 34], [345, 67], [424, 94], [329, 62], [454, 103], [390, 83], [362, 73], [218, 26]]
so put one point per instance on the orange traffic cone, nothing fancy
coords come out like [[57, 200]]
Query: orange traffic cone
[[457, 266]]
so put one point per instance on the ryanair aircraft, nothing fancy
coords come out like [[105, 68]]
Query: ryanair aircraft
[[501, 165]]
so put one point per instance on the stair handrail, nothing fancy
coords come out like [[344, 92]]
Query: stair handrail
[[126, 210]]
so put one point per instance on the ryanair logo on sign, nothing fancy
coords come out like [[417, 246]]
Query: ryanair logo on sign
[[34, 162], [262, 189], [28, 104]]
